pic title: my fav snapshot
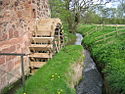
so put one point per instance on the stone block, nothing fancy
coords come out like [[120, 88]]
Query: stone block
[[9, 49], [2, 59]]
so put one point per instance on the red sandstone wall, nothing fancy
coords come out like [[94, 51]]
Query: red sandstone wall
[[17, 20]]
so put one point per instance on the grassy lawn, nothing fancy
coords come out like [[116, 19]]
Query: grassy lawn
[[56, 76], [110, 53]]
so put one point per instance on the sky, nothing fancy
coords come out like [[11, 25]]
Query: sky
[[112, 5]]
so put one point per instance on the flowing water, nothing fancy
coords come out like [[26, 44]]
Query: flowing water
[[92, 82]]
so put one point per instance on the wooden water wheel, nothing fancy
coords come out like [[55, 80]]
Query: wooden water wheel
[[46, 40]]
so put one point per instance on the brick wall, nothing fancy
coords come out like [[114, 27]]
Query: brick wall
[[17, 21]]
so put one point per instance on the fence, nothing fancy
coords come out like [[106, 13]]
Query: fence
[[118, 31]]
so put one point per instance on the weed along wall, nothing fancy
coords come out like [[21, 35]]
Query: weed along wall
[[17, 20], [60, 75]]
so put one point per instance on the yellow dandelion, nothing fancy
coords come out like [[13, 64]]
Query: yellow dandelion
[[58, 92], [58, 76], [52, 75], [55, 73], [61, 90]]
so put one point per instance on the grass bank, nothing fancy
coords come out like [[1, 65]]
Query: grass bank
[[57, 76], [69, 38], [108, 48]]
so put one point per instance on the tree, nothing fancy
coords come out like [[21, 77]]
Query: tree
[[72, 10], [121, 10], [90, 17]]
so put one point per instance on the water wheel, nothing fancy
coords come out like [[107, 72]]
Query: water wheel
[[46, 41]]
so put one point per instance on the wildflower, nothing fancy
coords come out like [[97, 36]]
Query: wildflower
[[55, 73], [58, 92], [51, 79], [52, 75], [61, 90], [58, 76]]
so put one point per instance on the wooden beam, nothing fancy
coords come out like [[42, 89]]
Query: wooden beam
[[37, 64], [109, 37], [42, 33], [106, 34], [42, 39], [38, 47], [41, 55]]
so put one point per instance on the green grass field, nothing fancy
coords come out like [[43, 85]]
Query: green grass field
[[109, 50], [55, 77]]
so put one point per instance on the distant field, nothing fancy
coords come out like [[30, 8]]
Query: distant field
[[107, 45]]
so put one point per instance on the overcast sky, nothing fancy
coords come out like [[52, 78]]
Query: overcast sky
[[112, 4]]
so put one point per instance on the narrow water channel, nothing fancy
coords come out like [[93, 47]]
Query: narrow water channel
[[92, 82]]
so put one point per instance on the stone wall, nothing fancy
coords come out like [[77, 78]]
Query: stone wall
[[17, 21]]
